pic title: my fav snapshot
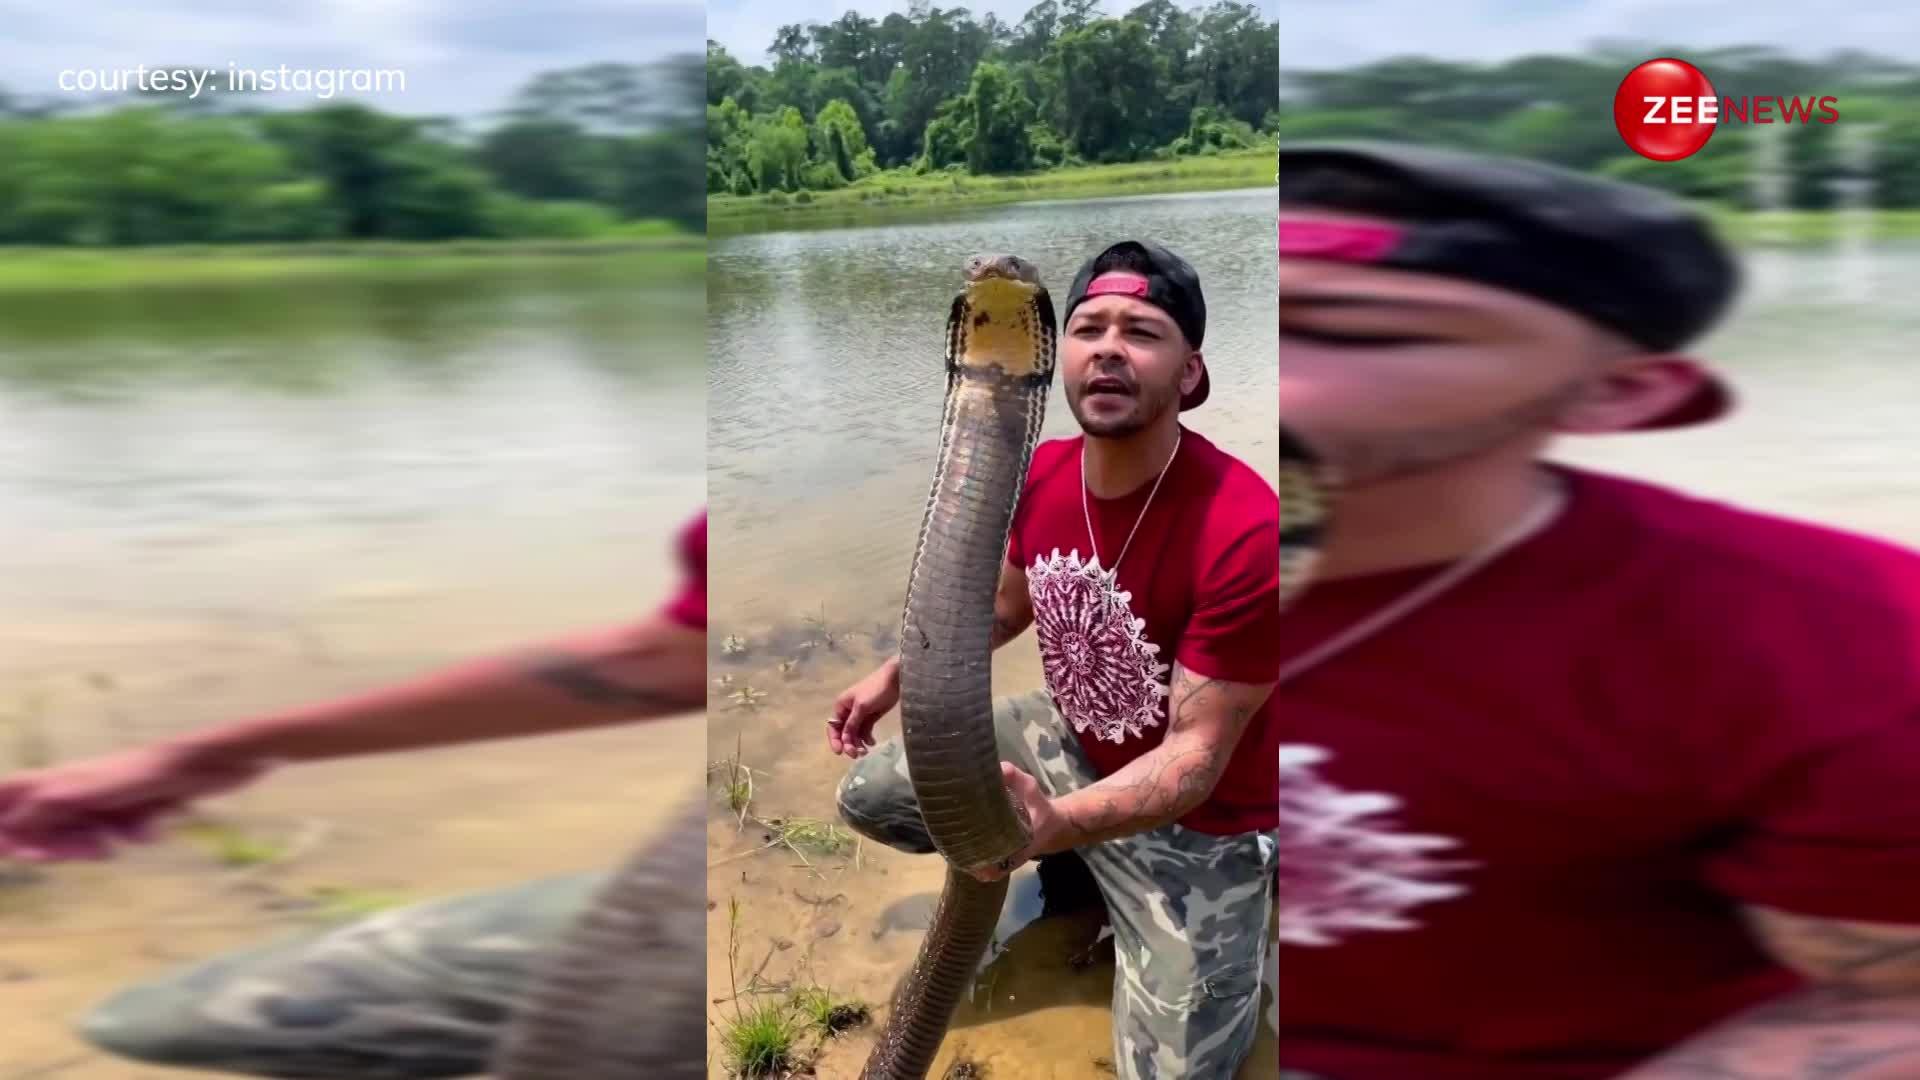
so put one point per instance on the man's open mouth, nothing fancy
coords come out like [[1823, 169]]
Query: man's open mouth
[[1107, 384]]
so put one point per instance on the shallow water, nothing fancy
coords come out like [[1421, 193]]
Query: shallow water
[[826, 369], [217, 501]]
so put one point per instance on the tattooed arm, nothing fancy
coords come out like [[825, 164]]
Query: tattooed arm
[[1206, 719], [82, 809], [646, 670], [1858, 1020]]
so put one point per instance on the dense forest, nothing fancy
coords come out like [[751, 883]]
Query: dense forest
[[936, 88], [580, 152], [1560, 108]]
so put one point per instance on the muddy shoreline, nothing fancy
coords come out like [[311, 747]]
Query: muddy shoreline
[[789, 913]]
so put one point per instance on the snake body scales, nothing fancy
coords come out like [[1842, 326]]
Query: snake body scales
[[623, 995]]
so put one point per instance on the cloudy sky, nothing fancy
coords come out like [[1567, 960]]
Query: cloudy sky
[[1326, 33], [461, 57], [1330, 33]]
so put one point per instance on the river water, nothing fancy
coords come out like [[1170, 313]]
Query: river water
[[220, 500]]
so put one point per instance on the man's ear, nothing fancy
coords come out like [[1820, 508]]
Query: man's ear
[[1196, 366], [1631, 390]]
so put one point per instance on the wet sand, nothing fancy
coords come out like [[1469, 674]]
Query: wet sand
[[853, 923]]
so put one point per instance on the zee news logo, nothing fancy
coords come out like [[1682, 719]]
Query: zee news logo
[[1666, 109]]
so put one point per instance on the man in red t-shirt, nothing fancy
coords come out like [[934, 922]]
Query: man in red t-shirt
[[1148, 562], [1581, 778], [423, 990]]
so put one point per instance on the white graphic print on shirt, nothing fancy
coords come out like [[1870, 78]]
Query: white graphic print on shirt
[[1343, 868], [1103, 673]]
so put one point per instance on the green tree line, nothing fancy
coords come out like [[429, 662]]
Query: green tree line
[[577, 153], [935, 88], [1559, 108]]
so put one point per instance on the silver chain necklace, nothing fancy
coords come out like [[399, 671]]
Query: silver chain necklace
[[1092, 540], [1535, 519]]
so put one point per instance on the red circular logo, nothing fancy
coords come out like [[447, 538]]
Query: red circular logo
[[1665, 109]]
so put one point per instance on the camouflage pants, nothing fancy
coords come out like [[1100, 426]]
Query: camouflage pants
[[419, 991], [1190, 912]]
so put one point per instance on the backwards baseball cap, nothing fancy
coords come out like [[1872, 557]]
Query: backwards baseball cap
[[1149, 272], [1626, 257]]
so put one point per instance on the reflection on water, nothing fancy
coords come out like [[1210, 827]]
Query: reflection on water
[[220, 500], [825, 362]]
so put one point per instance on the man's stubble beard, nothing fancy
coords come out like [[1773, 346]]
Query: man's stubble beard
[[1365, 460], [1149, 405]]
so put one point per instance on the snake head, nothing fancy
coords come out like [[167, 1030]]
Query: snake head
[[1004, 267], [1002, 320]]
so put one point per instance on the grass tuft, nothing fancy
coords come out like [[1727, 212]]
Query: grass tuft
[[345, 903], [736, 782], [810, 834], [762, 1041], [232, 845], [827, 1014], [782, 1033]]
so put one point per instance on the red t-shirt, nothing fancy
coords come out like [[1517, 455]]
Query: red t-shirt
[[1200, 585], [1516, 826], [689, 604]]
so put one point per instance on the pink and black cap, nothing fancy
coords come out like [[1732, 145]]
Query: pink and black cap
[[1627, 257], [1149, 272]]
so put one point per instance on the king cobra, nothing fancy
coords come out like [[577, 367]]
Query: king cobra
[[1000, 362]]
